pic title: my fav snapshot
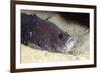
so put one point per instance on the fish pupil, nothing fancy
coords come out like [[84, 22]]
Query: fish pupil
[[60, 36]]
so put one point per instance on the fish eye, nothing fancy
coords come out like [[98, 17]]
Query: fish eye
[[61, 36]]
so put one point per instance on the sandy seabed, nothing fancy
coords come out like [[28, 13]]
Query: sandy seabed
[[81, 33]]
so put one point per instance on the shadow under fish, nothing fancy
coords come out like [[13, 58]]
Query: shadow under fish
[[45, 34]]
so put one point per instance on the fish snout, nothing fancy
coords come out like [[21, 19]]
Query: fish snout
[[70, 44]]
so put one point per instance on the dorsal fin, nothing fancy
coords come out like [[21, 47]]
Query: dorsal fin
[[48, 18]]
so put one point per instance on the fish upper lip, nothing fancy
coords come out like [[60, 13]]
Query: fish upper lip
[[71, 41]]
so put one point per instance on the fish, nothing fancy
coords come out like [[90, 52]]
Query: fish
[[45, 34]]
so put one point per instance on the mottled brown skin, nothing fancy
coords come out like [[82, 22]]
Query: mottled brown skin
[[43, 33]]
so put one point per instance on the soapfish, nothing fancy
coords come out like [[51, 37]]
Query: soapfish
[[45, 34]]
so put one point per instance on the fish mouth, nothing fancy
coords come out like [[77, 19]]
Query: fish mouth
[[70, 44]]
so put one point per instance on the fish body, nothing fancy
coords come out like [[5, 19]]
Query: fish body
[[45, 34]]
